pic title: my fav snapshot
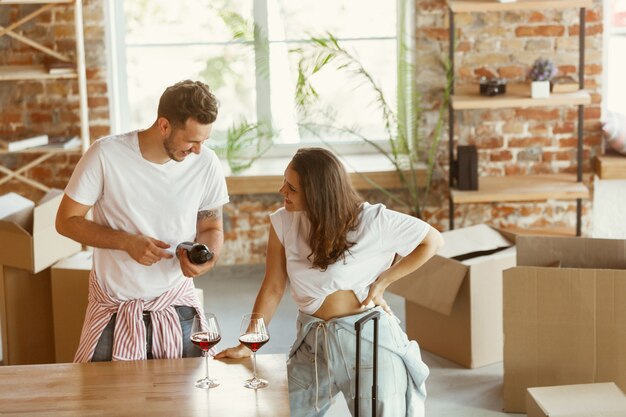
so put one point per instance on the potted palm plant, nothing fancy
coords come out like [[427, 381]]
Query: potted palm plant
[[408, 147]]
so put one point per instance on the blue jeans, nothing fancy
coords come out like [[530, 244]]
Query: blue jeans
[[104, 348], [331, 347]]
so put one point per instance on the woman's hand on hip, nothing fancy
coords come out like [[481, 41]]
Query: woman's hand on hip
[[377, 290]]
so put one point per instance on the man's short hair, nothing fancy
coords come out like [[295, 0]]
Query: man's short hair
[[187, 99]]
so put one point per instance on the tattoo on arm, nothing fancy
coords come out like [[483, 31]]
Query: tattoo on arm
[[214, 214]]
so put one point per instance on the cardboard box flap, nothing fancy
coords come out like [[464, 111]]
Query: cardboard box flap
[[46, 210], [16, 245], [478, 240], [13, 229], [16, 209], [571, 252], [434, 285], [50, 195], [81, 260], [38, 248], [497, 254], [580, 399]]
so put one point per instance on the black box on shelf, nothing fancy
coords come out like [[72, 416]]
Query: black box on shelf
[[466, 168]]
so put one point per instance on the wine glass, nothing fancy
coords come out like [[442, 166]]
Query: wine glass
[[205, 333], [254, 334]]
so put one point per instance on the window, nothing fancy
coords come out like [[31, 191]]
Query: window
[[156, 44], [615, 45]]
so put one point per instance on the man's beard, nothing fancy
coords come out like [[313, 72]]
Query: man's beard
[[169, 148]]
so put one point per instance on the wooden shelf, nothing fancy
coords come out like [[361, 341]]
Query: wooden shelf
[[523, 188], [35, 1], [517, 95], [9, 73], [32, 72], [611, 167], [459, 6]]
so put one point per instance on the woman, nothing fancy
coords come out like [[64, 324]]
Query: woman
[[337, 253]]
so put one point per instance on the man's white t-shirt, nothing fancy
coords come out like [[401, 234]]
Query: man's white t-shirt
[[134, 195], [381, 234]]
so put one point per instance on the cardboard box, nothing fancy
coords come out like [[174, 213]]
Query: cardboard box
[[583, 400], [454, 301], [32, 243], [26, 316], [70, 288], [564, 325], [16, 209]]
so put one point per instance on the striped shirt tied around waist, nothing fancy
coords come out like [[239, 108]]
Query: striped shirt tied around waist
[[129, 336]]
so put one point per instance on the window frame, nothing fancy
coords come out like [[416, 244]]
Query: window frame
[[119, 111]]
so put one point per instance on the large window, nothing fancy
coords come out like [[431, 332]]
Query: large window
[[615, 99], [160, 43]]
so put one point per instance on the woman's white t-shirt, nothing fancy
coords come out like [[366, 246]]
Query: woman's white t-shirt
[[381, 234], [134, 195]]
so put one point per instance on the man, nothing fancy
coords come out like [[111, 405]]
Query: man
[[149, 190]]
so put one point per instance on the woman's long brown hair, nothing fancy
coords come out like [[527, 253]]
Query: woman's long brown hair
[[331, 203]]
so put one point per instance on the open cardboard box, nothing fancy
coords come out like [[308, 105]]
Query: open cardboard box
[[564, 325], [454, 301], [28, 237], [582, 400], [70, 288], [29, 244]]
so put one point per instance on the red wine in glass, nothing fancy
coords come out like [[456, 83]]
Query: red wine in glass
[[254, 341], [253, 333], [205, 333], [205, 340]]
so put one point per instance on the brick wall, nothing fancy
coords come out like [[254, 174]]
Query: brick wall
[[515, 141], [50, 106], [510, 141]]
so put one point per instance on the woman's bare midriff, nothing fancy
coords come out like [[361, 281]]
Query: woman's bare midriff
[[339, 304]]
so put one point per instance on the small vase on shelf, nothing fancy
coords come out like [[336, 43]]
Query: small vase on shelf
[[540, 89], [541, 72]]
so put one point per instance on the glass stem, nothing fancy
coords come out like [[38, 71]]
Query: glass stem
[[254, 362], [206, 361]]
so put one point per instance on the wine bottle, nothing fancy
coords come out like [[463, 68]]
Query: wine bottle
[[197, 253]]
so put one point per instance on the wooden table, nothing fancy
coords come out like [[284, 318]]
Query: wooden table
[[144, 388]]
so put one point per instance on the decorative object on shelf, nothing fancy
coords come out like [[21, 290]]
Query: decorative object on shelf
[[542, 71], [64, 142], [563, 84], [466, 168], [492, 86], [56, 66], [540, 89]]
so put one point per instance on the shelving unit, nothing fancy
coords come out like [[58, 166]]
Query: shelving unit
[[10, 73], [523, 188], [519, 188]]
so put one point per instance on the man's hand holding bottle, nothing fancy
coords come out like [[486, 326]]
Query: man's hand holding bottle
[[194, 258]]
